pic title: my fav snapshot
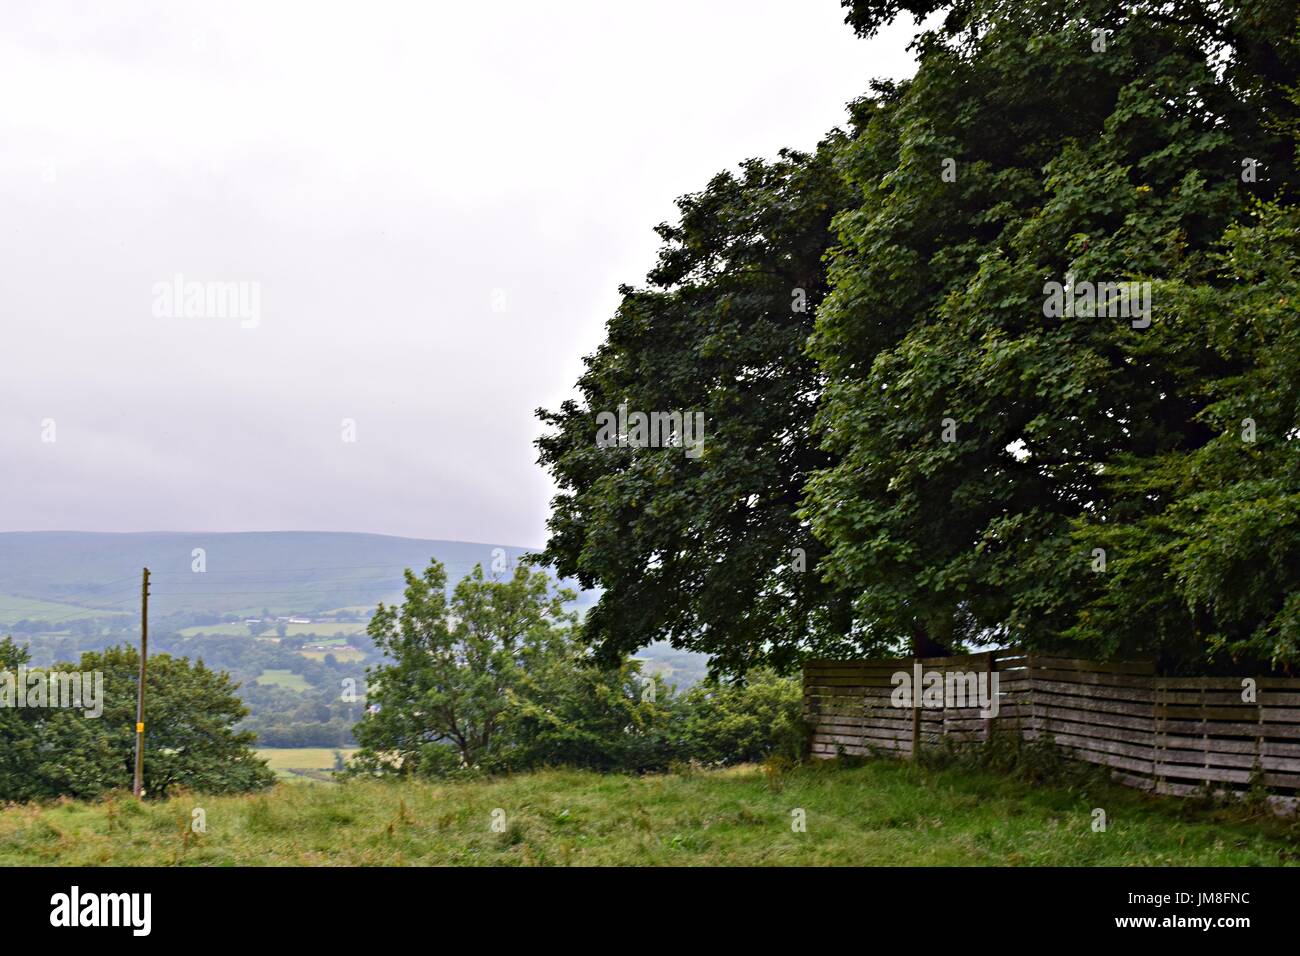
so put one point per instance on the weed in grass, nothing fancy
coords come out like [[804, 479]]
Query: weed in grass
[[512, 835], [259, 817], [775, 769]]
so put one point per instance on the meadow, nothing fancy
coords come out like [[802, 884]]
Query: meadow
[[880, 813], [283, 678], [303, 764], [14, 609], [324, 630]]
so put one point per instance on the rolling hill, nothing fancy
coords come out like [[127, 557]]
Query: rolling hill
[[63, 576], [63, 582]]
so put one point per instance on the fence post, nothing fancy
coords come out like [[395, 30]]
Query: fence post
[[1035, 724], [990, 665], [916, 714], [1160, 704]]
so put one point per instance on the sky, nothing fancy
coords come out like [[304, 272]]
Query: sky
[[422, 213]]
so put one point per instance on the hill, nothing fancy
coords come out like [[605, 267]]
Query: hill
[[66, 592], [66, 575], [882, 813]]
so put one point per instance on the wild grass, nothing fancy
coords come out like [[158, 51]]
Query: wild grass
[[881, 812]]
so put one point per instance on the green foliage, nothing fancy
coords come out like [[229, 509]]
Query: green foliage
[[189, 740], [707, 552], [582, 715], [743, 722], [975, 450], [1206, 540], [455, 665], [1115, 166], [573, 712], [496, 681]]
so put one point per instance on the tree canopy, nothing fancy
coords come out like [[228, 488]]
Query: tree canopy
[[444, 700], [961, 461], [709, 551], [190, 740]]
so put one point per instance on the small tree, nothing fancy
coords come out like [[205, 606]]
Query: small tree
[[444, 699], [190, 739]]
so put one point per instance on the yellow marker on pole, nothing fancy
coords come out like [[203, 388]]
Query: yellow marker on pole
[[137, 786]]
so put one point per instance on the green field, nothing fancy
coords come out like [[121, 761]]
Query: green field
[[282, 678], [343, 655], [882, 813], [216, 630], [19, 609], [303, 764], [326, 630]]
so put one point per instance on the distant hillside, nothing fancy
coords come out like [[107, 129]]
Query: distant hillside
[[64, 583], [60, 576]]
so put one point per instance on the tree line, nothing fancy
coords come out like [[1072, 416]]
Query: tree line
[[494, 678], [498, 678]]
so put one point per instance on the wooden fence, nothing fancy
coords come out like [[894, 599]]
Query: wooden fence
[[1177, 735]]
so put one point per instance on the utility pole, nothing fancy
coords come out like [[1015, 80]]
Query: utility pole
[[138, 788]]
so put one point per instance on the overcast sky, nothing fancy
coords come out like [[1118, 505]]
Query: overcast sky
[[434, 203]]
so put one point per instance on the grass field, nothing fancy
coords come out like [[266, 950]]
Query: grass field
[[303, 764], [214, 630], [13, 609], [282, 678], [881, 813], [344, 655], [326, 630]]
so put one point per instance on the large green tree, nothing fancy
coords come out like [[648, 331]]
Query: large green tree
[[981, 468], [972, 430], [707, 552]]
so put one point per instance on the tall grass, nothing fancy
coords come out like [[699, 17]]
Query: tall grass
[[881, 812]]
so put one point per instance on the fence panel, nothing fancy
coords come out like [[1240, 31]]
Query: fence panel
[[1176, 735]]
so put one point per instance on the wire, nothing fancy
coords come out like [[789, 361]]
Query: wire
[[100, 587]]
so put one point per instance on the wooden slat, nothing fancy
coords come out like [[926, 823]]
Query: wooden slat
[[1072, 689], [1172, 735], [1226, 683], [1137, 668], [1093, 678]]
